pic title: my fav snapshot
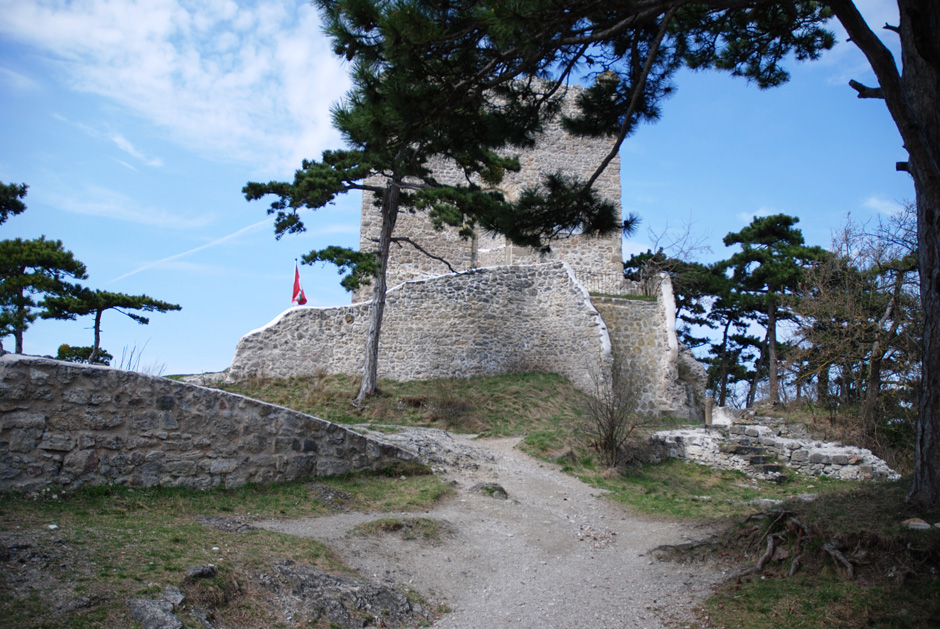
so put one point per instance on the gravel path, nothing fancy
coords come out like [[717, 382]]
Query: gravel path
[[554, 554]]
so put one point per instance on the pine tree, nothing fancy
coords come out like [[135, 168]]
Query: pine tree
[[11, 203], [86, 301], [405, 114], [770, 265], [30, 269]]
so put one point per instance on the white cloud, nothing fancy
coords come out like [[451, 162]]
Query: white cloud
[[124, 164], [125, 145], [105, 203], [882, 206], [16, 81], [245, 84], [747, 217]]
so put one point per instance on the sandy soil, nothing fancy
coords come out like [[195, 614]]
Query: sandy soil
[[554, 554]]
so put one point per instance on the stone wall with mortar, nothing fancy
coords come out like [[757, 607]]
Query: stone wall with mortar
[[643, 337], [483, 322], [71, 425], [554, 151]]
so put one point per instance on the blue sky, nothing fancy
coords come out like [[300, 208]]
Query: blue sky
[[136, 124]]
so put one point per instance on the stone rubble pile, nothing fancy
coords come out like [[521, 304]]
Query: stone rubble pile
[[765, 448]]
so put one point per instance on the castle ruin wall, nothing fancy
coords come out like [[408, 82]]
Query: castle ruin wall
[[483, 322]]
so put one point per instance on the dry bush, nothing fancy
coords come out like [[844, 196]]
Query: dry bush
[[610, 420], [450, 406]]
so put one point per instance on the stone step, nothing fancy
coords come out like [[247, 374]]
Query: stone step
[[759, 459], [767, 468], [734, 448]]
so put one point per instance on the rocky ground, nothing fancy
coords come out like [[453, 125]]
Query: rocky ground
[[522, 545]]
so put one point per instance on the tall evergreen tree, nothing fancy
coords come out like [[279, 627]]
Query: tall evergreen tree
[[86, 301], [770, 265], [406, 113]]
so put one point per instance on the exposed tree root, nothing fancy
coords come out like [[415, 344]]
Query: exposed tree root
[[832, 550]]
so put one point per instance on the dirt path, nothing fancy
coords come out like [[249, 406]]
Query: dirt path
[[554, 554]]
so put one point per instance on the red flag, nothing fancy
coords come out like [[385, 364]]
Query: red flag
[[298, 298]]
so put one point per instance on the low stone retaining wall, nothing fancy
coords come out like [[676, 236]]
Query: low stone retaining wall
[[72, 425], [710, 446]]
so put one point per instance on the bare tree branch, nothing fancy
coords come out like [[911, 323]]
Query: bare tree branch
[[400, 239], [866, 92]]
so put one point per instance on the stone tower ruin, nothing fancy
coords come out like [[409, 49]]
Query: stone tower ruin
[[506, 309], [597, 261]]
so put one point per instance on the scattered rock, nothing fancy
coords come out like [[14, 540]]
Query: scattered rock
[[437, 447], [172, 594], [760, 450], [335, 499], [202, 617], [311, 595], [915, 524], [493, 490], [154, 614], [201, 572]]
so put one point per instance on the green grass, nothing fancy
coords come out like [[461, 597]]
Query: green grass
[[824, 601], [681, 489]]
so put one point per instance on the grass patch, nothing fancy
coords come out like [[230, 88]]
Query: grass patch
[[824, 601], [896, 570], [409, 529], [496, 406], [110, 544], [680, 489], [631, 297]]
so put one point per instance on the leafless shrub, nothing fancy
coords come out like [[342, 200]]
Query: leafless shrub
[[447, 405], [610, 418]]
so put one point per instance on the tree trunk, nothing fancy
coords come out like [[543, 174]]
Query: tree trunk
[[94, 349], [822, 385], [914, 103], [773, 387], [723, 375], [377, 309]]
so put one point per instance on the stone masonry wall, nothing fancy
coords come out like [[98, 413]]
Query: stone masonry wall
[[73, 425], [643, 337], [484, 322], [555, 151]]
